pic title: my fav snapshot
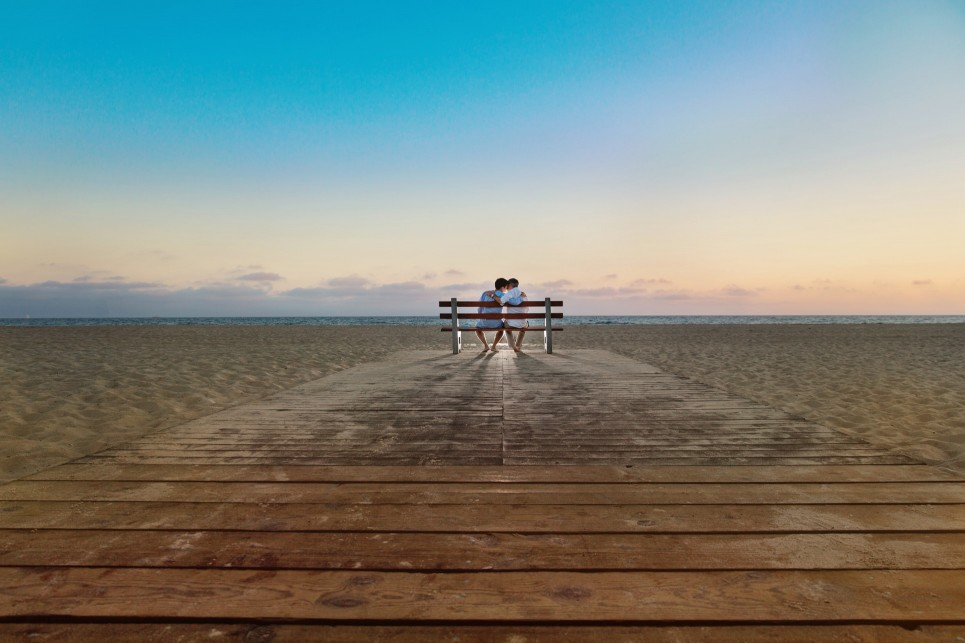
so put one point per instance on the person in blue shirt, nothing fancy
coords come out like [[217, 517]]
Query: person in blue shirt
[[502, 285]]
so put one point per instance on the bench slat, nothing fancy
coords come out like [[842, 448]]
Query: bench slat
[[493, 304], [467, 329], [501, 316]]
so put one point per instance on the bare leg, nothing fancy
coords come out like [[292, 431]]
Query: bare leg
[[499, 336], [519, 342], [509, 339], [482, 337]]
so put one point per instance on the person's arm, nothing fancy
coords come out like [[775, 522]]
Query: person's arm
[[492, 295], [516, 300], [505, 297]]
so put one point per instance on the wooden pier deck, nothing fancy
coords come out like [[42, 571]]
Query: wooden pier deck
[[579, 496]]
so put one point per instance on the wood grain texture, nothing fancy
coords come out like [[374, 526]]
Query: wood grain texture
[[258, 632], [507, 474], [420, 551], [932, 596], [190, 515]]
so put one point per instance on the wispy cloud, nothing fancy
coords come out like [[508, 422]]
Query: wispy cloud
[[461, 287], [85, 284], [559, 283], [737, 291], [606, 293], [339, 290], [260, 276], [650, 282], [352, 281], [113, 298], [674, 295]]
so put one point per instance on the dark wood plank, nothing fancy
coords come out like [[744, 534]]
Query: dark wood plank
[[250, 632], [500, 316], [546, 518], [555, 303], [491, 493], [932, 596], [505, 474], [528, 329], [456, 459]]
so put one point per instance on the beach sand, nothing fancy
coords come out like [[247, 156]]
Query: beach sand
[[70, 391]]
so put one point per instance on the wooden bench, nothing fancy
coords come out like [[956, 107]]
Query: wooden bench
[[547, 314]]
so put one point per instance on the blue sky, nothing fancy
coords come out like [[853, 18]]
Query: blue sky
[[370, 158]]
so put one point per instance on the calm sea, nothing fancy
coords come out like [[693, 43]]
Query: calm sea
[[577, 320]]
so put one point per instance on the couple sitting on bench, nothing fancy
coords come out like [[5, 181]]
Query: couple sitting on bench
[[507, 293]]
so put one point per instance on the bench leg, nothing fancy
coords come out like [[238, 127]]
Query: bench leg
[[456, 333]]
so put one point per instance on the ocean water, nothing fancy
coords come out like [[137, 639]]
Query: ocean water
[[576, 320]]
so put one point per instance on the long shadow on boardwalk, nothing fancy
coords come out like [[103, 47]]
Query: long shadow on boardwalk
[[576, 496]]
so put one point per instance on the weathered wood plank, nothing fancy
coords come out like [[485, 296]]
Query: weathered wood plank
[[932, 596], [477, 551], [742, 460], [506, 474], [687, 444], [322, 437], [440, 459], [546, 518], [491, 493], [496, 633], [422, 438], [589, 453]]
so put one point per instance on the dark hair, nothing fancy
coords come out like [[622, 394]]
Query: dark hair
[[514, 282], [500, 283]]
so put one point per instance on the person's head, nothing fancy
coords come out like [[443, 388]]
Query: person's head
[[501, 284], [513, 282]]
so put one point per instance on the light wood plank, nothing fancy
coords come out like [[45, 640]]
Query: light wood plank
[[478, 551]]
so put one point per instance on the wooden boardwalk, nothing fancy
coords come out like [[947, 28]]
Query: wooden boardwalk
[[579, 496]]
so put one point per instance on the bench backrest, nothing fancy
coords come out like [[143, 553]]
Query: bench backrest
[[534, 310]]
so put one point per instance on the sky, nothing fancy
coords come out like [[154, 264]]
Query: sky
[[372, 158]]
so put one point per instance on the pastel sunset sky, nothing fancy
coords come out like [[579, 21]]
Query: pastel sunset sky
[[343, 158]]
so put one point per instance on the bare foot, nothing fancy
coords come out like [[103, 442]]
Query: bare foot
[[494, 349]]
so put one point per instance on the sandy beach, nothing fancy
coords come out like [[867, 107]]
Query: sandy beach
[[66, 392]]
